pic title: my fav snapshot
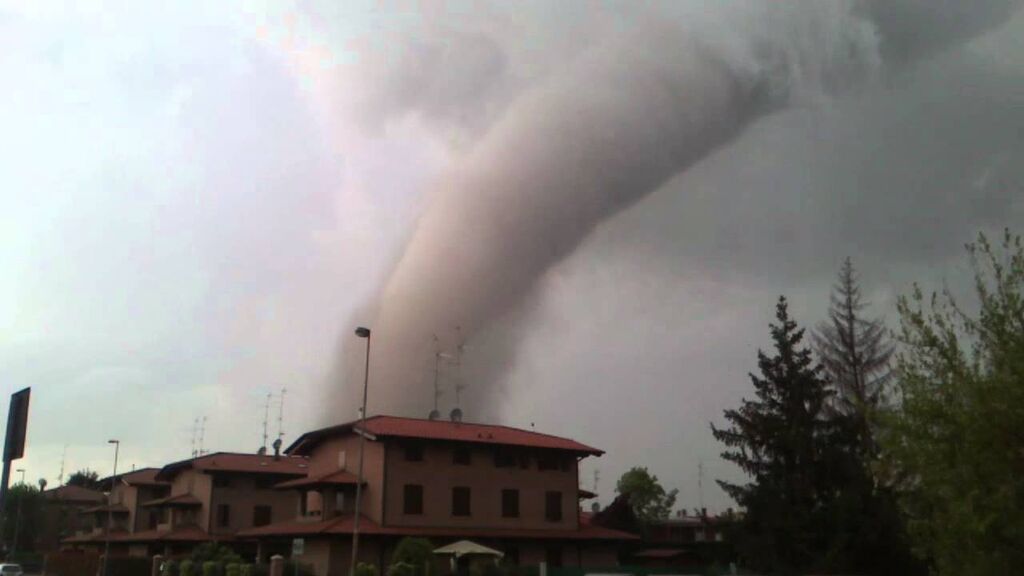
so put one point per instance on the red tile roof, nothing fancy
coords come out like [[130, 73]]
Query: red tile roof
[[235, 462], [76, 494], [343, 525], [659, 553], [113, 509], [181, 500], [141, 477], [336, 478], [182, 534], [397, 427]]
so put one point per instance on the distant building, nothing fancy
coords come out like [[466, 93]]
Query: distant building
[[513, 490], [61, 515], [686, 541], [208, 498]]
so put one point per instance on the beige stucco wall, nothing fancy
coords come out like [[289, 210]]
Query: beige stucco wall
[[325, 459], [242, 496], [198, 484], [437, 474]]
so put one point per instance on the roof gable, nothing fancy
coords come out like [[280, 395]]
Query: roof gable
[[238, 463], [442, 430]]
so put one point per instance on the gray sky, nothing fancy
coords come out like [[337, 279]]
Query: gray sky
[[198, 201]]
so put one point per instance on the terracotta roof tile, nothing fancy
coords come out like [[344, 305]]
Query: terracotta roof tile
[[336, 478], [183, 500], [78, 494], [397, 427], [235, 462]]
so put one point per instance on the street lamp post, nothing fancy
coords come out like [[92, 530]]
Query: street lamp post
[[110, 513], [362, 333], [17, 513]]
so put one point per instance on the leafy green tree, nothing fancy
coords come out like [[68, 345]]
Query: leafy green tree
[[954, 446], [646, 496], [781, 440], [24, 509], [417, 553], [85, 478]]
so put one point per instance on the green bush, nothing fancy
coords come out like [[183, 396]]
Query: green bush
[[401, 569], [187, 568], [364, 569], [212, 551], [246, 570], [417, 553], [169, 568], [213, 568], [233, 569]]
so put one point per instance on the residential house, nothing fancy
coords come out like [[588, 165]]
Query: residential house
[[202, 499], [121, 511], [510, 489], [687, 541], [61, 517]]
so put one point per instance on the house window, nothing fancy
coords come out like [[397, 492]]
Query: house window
[[553, 557], [266, 482], [553, 506], [462, 456], [261, 515], [221, 481], [547, 461], [412, 499], [223, 515], [154, 519], [510, 503], [414, 453], [460, 501], [504, 458], [339, 502]]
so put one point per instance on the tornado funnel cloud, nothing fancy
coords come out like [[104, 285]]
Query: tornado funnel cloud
[[642, 106]]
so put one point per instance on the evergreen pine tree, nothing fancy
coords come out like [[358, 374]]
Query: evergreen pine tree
[[781, 440]]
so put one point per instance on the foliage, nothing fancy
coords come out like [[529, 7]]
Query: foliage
[[212, 551], [781, 441], [187, 568], [418, 553], [854, 352], [247, 570], [24, 516], [954, 446], [646, 496], [212, 568], [85, 478], [364, 569], [169, 568], [618, 515], [233, 569], [401, 569]]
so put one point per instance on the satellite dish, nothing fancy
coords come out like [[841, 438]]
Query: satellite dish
[[262, 450], [434, 415], [456, 415]]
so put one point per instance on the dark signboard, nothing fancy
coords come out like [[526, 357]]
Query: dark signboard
[[17, 424]]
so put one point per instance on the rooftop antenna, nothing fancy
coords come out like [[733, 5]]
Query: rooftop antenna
[[202, 436], [266, 418], [195, 436], [435, 413], [700, 482], [280, 415], [597, 477], [459, 349], [63, 457]]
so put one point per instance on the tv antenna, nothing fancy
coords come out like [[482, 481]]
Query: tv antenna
[[597, 477], [700, 482], [459, 349], [280, 415], [266, 418], [63, 457], [435, 414], [202, 435], [195, 435]]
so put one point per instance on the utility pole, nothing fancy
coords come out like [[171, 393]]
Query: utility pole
[[362, 333]]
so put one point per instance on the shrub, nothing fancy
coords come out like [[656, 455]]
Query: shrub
[[212, 551], [401, 569], [246, 570], [186, 568], [364, 569], [233, 569], [212, 568], [169, 568], [416, 552]]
